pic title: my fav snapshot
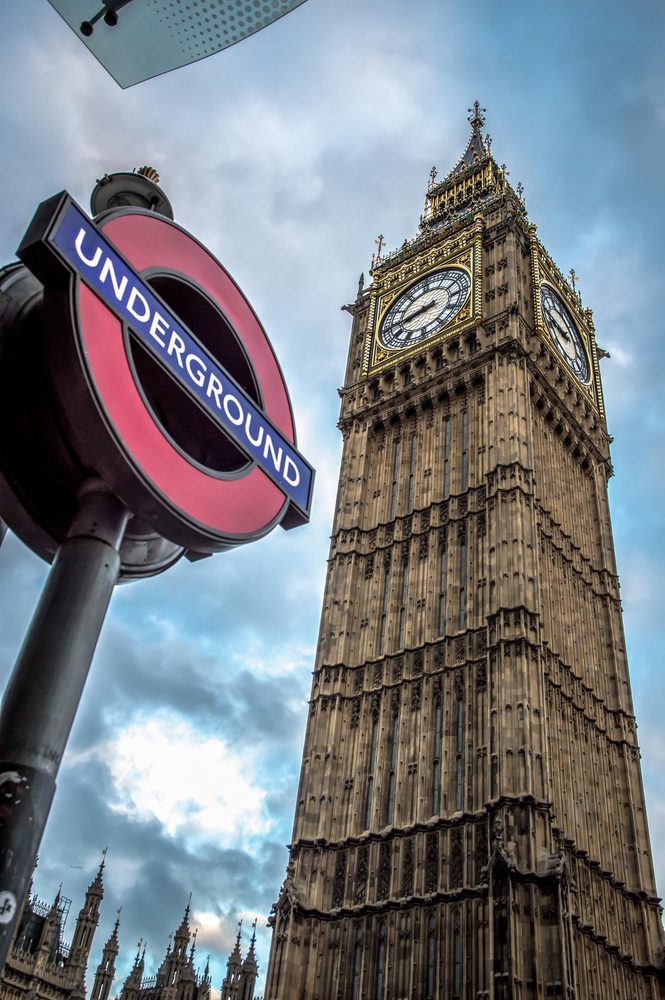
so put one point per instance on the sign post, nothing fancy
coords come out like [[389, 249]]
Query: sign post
[[45, 688], [162, 438]]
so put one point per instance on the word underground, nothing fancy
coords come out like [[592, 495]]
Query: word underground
[[132, 300]]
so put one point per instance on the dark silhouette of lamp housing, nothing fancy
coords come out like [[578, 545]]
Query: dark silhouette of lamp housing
[[130, 190]]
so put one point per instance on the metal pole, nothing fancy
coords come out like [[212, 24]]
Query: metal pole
[[3, 530], [45, 688]]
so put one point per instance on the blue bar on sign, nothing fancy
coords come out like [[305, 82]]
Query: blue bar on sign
[[93, 258]]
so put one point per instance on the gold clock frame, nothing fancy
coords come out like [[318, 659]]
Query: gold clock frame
[[544, 270], [392, 279]]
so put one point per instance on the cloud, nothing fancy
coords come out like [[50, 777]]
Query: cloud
[[193, 785]]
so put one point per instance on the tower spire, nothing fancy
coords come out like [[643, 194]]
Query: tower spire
[[476, 116]]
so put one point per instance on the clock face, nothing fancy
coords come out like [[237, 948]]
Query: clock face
[[564, 333], [425, 307]]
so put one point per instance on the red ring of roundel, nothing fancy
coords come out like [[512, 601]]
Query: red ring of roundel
[[241, 506]]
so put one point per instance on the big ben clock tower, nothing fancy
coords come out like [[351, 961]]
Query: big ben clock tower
[[470, 820]]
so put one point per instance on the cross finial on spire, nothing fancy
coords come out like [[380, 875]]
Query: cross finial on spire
[[476, 120], [572, 278], [380, 242], [432, 177]]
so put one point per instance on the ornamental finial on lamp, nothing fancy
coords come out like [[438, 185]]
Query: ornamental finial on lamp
[[150, 173]]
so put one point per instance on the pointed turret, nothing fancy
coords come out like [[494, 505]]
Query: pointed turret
[[249, 971], [132, 984], [203, 990], [86, 925], [49, 938], [106, 968], [182, 935], [233, 969], [176, 969]]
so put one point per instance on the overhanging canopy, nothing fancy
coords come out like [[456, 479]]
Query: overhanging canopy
[[138, 39]]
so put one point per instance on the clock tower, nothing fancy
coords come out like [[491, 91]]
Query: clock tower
[[470, 820]]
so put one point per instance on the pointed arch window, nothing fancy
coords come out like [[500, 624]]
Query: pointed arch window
[[380, 962], [392, 771], [369, 798], [395, 482], [431, 956], [412, 472], [436, 767]]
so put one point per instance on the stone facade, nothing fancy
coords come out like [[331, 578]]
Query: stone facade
[[470, 820]]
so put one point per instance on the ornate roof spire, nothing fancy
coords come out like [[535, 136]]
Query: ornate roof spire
[[183, 930], [235, 958], [138, 953], [474, 181], [97, 884], [478, 148], [113, 942], [249, 965], [476, 120]]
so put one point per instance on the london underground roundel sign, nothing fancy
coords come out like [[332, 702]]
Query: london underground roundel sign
[[166, 379]]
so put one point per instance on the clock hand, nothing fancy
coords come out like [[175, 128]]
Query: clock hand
[[557, 319], [418, 312]]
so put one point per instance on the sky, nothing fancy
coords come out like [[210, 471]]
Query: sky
[[287, 155]]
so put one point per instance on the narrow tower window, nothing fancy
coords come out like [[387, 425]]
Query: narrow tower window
[[357, 964], [442, 591], [412, 471], [459, 751], [457, 956], [402, 604], [431, 956], [462, 589], [370, 774], [395, 482], [436, 768], [390, 798], [446, 458], [380, 962], [465, 442], [384, 610]]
